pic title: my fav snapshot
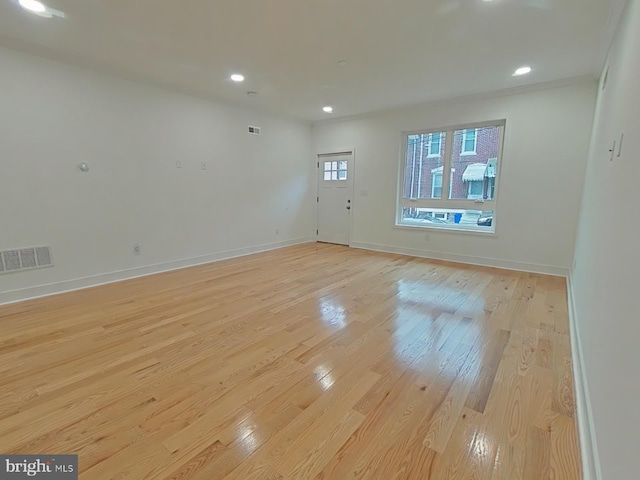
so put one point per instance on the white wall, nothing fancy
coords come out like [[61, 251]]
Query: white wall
[[546, 145], [605, 279], [53, 116]]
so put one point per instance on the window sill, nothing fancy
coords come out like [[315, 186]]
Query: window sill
[[431, 228], [468, 154], [434, 156]]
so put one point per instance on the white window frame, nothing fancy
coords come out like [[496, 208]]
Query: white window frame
[[446, 203], [436, 154], [464, 142]]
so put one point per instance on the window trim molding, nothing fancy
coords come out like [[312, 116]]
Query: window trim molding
[[445, 202]]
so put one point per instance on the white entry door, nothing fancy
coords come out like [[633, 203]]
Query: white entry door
[[335, 197]]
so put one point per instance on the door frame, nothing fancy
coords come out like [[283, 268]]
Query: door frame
[[337, 151]]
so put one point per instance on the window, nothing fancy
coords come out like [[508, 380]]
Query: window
[[436, 182], [469, 141], [475, 189], [436, 185], [335, 170], [453, 190], [435, 144]]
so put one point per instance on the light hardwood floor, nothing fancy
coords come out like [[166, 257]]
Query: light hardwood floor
[[309, 362]]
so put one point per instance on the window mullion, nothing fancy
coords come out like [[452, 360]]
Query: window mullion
[[446, 165]]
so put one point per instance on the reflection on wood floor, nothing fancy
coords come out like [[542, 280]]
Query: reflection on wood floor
[[309, 362]]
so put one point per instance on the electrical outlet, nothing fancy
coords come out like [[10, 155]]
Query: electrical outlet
[[178, 163], [426, 237], [277, 231], [203, 165], [136, 249]]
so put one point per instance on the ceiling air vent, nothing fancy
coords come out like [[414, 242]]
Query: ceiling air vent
[[25, 259], [254, 130]]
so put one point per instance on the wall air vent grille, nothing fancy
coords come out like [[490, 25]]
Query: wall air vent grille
[[28, 258], [25, 259], [11, 260], [43, 254]]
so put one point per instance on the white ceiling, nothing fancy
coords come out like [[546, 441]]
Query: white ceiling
[[398, 52]]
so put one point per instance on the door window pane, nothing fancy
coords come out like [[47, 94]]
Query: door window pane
[[335, 170]]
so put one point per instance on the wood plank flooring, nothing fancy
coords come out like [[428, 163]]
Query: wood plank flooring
[[310, 362]]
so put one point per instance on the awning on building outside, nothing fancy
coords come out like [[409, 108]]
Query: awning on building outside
[[474, 172]]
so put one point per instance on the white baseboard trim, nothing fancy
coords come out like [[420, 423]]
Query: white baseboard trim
[[56, 288], [584, 416], [452, 257]]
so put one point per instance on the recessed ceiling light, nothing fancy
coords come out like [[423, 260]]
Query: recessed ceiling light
[[33, 6], [521, 71], [40, 9], [236, 77], [327, 109]]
